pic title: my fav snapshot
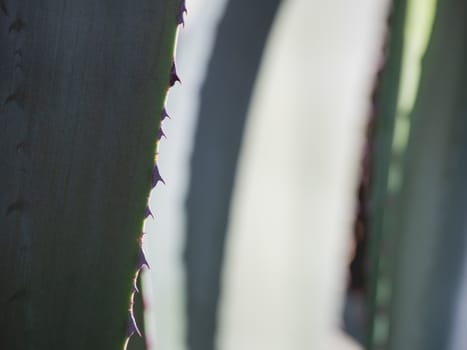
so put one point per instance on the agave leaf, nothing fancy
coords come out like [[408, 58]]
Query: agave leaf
[[419, 247], [380, 207], [225, 99], [76, 154], [431, 227]]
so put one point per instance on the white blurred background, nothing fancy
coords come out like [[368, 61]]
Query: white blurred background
[[290, 222]]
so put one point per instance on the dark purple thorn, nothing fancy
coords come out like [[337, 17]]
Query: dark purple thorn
[[21, 148], [148, 212], [17, 96], [160, 134], [156, 177], [181, 11], [141, 260], [3, 7], [132, 326], [17, 206], [164, 114], [135, 288], [135, 285], [173, 75], [17, 26]]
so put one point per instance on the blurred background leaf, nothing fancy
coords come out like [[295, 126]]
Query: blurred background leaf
[[428, 228], [224, 101], [305, 129]]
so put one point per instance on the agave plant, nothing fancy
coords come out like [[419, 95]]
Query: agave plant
[[419, 197], [82, 88]]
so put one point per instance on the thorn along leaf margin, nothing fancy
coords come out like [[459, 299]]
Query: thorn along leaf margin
[[182, 10], [155, 179]]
